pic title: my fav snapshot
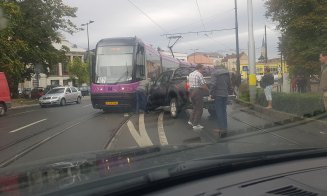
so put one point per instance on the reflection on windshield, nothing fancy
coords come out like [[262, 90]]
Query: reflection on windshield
[[267, 92]]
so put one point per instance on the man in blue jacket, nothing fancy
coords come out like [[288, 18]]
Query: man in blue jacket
[[220, 88]]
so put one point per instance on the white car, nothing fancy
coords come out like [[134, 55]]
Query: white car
[[61, 96]]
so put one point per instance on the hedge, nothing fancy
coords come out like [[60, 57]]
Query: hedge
[[304, 104]]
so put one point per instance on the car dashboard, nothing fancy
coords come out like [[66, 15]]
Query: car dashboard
[[306, 177]]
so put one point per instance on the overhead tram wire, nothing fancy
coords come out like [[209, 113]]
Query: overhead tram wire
[[146, 15], [197, 32], [201, 19]]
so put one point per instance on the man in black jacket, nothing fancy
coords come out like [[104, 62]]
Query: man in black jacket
[[220, 88]]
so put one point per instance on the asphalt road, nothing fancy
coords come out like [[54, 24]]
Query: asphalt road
[[34, 133]]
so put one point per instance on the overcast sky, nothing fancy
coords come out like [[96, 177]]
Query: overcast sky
[[150, 19]]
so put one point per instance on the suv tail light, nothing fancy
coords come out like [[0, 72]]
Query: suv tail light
[[187, 86]]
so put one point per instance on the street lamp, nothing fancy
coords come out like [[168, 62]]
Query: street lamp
[[88, 43]]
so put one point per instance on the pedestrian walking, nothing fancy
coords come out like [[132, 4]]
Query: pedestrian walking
[[293, 85], [301, 83], [266, 83], [323, 78], [198, 88], [220, 88]]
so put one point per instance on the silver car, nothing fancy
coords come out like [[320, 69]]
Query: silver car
[[61, 96]]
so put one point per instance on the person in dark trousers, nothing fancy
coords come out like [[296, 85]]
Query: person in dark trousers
[[220, 88], [267, 83], [141, 96], [198, 88]]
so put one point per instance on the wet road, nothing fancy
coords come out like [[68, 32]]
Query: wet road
[[34, 133]]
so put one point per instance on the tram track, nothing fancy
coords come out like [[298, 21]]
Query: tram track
[[25, 138], [34, 145]]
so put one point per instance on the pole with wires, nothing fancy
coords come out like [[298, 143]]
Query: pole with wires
[[237, 42]]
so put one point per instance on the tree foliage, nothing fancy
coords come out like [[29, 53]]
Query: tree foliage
[[78, 71], [33, 25], [303, 24]]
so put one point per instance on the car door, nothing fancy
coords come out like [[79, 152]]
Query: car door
[[158, 92], [68, 95], [74, 93]]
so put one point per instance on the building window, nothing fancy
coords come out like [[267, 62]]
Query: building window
[[55, 82], [54, 70], [65, 82]]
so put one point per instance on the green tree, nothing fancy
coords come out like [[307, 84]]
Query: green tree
[[303, 25], [11, 47], [33, 25], [78, 71]]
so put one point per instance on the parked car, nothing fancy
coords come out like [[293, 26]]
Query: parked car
[[37, 92], [61, 96], [26, 93], [5, 100], [85, 90], [49, 87]]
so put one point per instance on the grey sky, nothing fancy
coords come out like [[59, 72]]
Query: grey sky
[[118, 18]]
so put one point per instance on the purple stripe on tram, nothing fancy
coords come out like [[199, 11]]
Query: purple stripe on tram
[[106, 88]]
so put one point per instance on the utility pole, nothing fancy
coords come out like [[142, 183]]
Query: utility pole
[[88, 45], [237, 42], [252, 66], [266, 50]]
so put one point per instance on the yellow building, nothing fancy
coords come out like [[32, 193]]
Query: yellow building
[[273, 64]]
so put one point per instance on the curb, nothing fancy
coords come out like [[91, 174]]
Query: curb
[[286, 118], [23, 106], [269, 112]]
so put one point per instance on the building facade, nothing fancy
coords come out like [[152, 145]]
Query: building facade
[[58, 74], [205, 58]]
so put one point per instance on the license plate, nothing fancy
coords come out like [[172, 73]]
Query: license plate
[[112, 103]]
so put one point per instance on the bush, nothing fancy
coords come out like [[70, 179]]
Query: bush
[[244, 92], [294, 103]]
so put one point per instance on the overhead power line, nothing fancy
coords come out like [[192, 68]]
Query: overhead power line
[[197, 32], [204, 27], [146, 15]]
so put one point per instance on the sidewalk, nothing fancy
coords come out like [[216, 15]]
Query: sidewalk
[[22, 103]]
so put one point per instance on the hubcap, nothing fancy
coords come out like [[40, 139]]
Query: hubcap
[[173, 108]]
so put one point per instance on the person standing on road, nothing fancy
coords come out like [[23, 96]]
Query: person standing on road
[[323, 78], [198, 88], [220, 88], [142, 96], [267, 83]]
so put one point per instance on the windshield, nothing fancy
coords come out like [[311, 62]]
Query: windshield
[[114, 64], [136, 85], [56, 90]]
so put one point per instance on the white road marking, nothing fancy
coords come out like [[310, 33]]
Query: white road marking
[[141, 138], [161, 131], [13, 131], [126, 115], [86, 106]]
